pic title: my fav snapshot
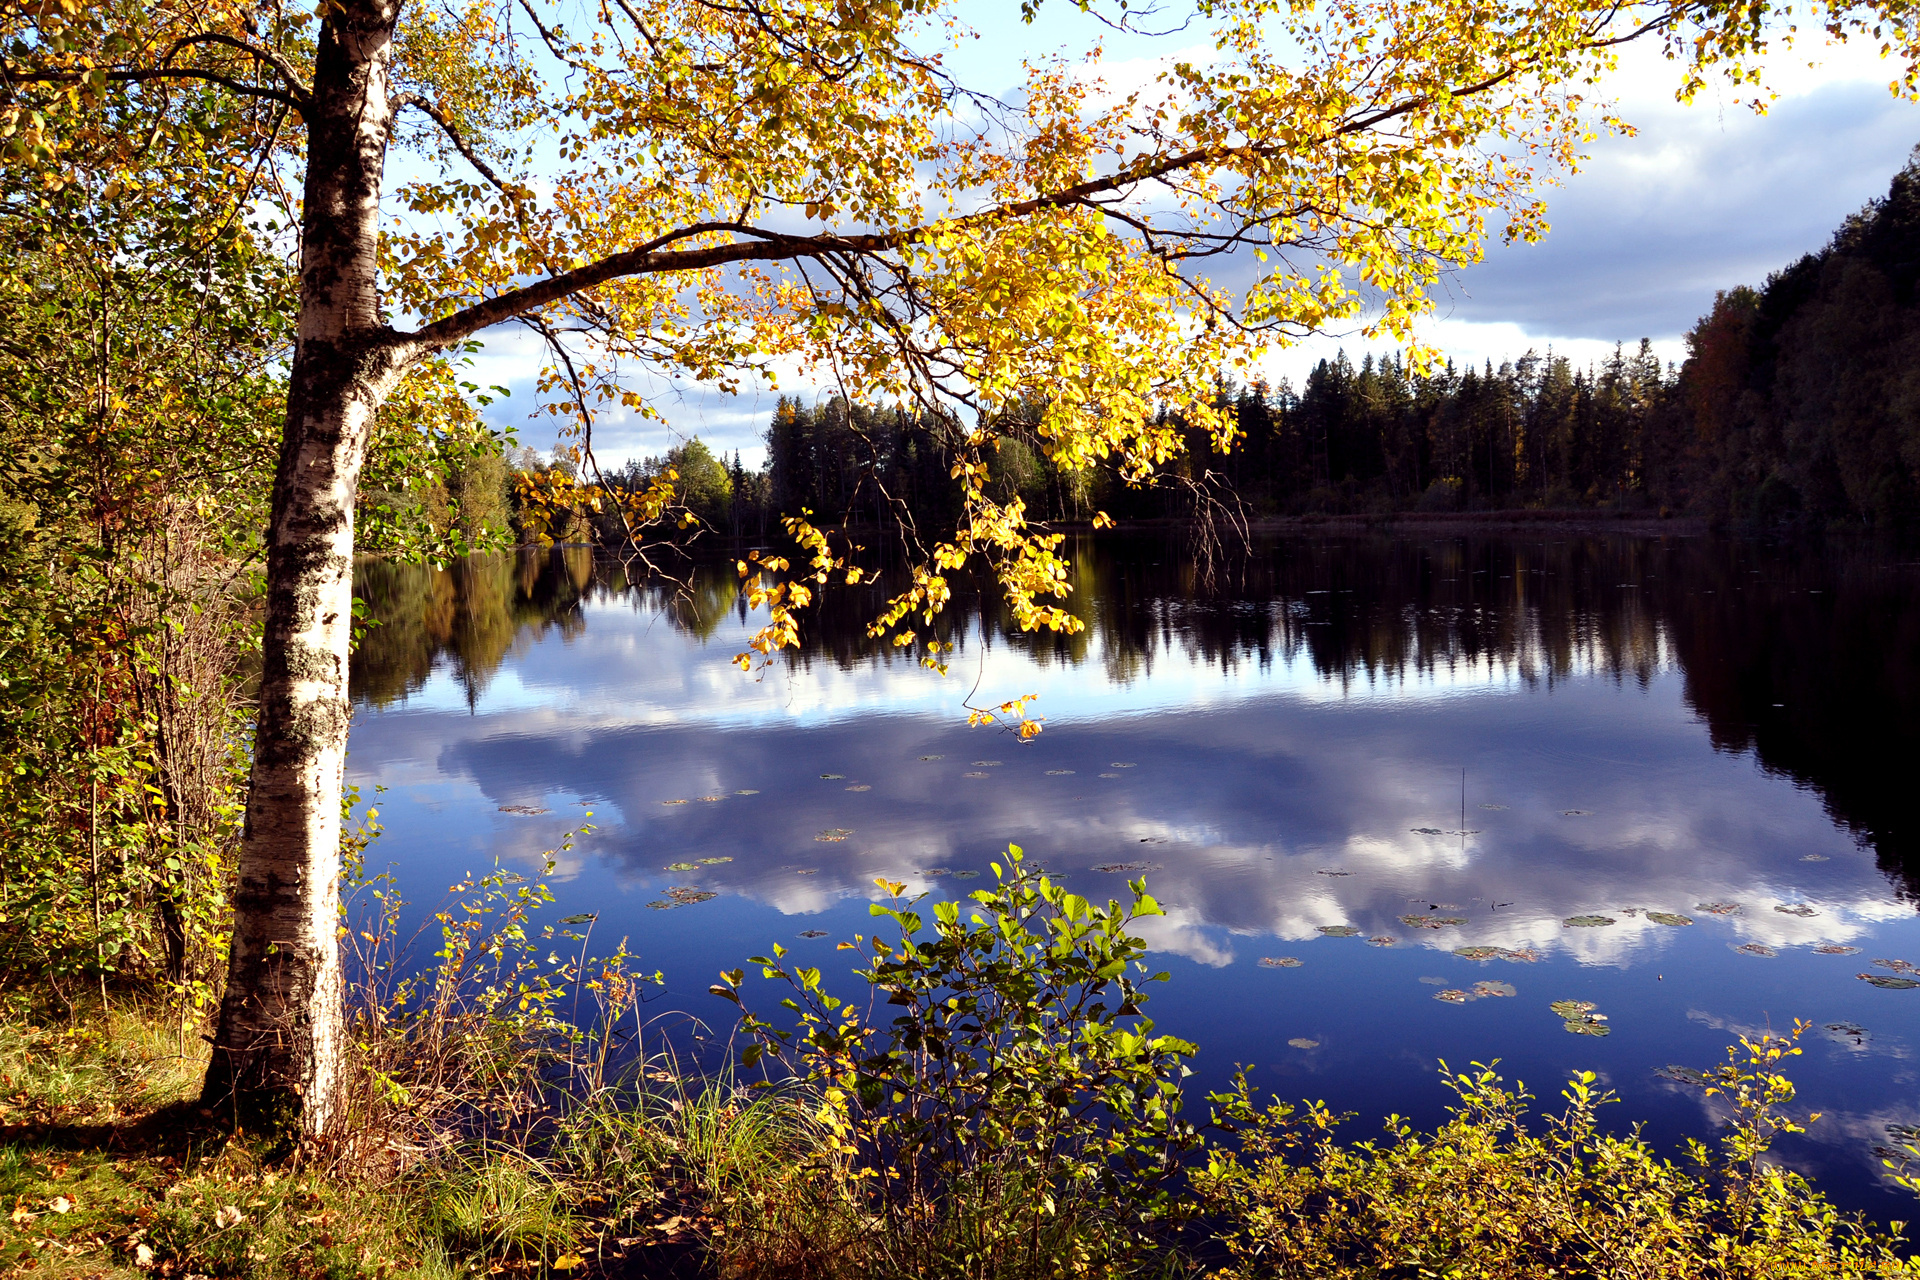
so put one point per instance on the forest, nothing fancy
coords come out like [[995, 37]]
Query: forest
[[1798, 405]]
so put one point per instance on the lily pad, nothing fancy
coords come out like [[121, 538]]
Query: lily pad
[[712, 862], [1330, 871], [1382, 941], [1899, 966], [1109, 775], [933, 757], [1524, 955], [712, 799], [748, 791], [1717, 908], [1685, 1075], [1279, 962], [1592, 1024], [833, 835], [966, 875], [1301, 1042], [1493, 806], [1476, 953], [1586, 922], [682, 895], [1756, 949], [1489, 990], [1669, 918], [1813, 857], [1452, 995], [1794, 909], [682, 866], [813, 933], [807, 871], [525, 810], [1835, 949], [1573, 1008], [676, 802], [860, 786], [1339, 930], [1848, 1033], [986, 764], [1430, 922], [1889, 982], [934, 872], [1115, 867], [1058, 773], [832, 776], [1904, 1132], [973, 773], [585, 917], [1576, 813], [1427, 831], [1122, 764]]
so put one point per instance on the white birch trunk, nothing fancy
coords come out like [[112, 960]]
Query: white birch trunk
[[277, 1052]]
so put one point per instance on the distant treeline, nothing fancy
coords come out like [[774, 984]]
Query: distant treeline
[[1799, 403]]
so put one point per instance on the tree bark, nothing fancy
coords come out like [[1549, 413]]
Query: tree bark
[[277, 1051]]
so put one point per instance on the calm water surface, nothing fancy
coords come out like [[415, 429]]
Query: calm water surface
[[1644, 725]]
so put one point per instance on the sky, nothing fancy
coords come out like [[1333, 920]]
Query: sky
[[1702, 198]]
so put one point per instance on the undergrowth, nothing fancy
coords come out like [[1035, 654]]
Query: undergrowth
[[999, 1108]]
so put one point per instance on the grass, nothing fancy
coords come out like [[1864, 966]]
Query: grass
[[109, 1169]]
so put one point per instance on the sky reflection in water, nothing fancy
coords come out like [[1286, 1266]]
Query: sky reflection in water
[[1644, 725]]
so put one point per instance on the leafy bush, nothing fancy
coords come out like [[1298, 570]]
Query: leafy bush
[[1484, 1197], [1018, 1115]]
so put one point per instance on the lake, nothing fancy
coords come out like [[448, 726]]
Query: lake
[[1672, 777]]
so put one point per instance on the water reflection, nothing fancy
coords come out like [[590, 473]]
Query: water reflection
[[1648, 729], [1809, 658]]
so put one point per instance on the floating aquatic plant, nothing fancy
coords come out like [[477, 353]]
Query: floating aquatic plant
[[813, 933], [1121, 764], [1491, 990], [682, 866], [711, 799], [1899, 966], [1109, 775], [676, 802], [1835, 949], [682, 895], [1586, 922], [1889, 982], [1301, 1042], [1668, 918], [712, 862], [1576, 813], [966, 875], [985, 764], [1427, 831], [1058, 773], [1434, 982], [1795, 909], [860, 786], [1756, 949], [934, 872], [525, 810], [1717, 908], [1848, 1033], [1430, 922], [1279, 962], [1814, 857], [1339, 930], [1453, 995], [1112, 867], [833, 835], [1685, 1075], [1524, 955], [1330, 871], [1580, 1017], [1476, 953], [973, 773], [747, 791], [1493, 806], [1383, 941]]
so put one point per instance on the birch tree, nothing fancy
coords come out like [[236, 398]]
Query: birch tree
[[718, 188]]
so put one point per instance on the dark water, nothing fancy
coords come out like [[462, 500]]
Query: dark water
[[1644, 725]]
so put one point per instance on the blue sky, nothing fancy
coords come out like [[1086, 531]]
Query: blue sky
[[1702, 198]]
